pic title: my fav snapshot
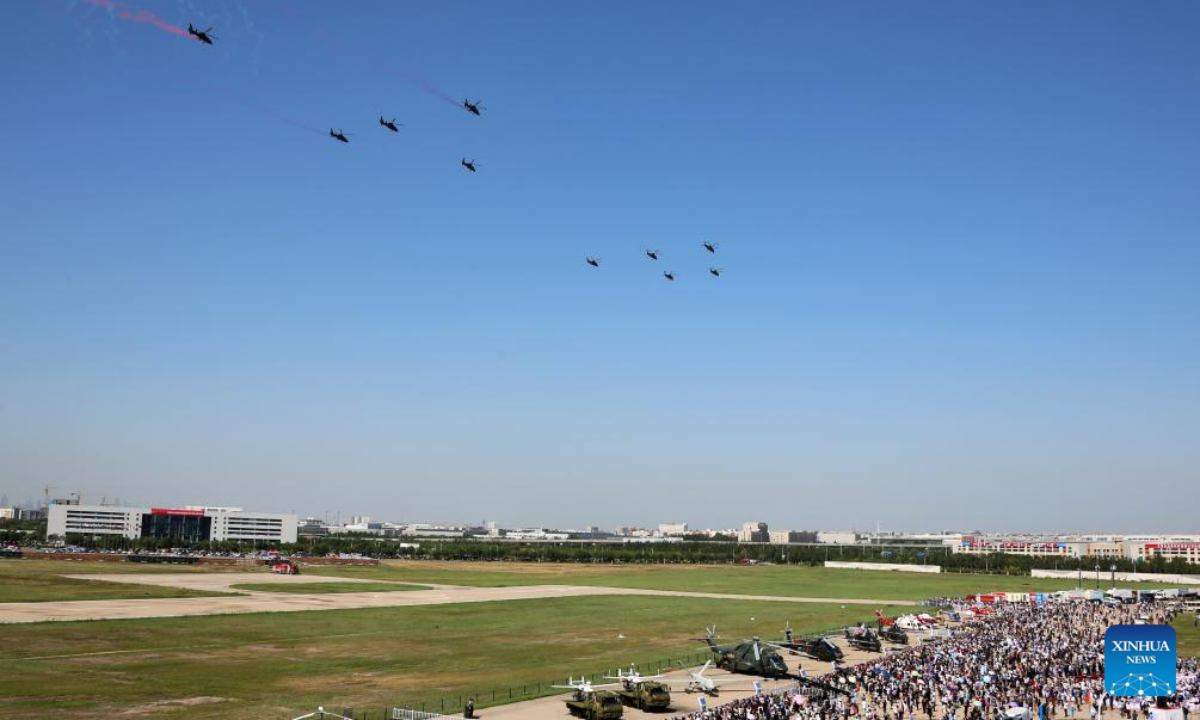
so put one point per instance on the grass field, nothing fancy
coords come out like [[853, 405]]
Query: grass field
[[40, 581], [320, 588], [1188, 635], [778, 580], [277, 665]]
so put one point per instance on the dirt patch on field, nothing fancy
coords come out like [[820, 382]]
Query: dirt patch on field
[[161, 705]]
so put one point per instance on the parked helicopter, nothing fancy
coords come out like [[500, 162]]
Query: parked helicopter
[[863, 638], [894, 634], [820, 648], [751, 657]]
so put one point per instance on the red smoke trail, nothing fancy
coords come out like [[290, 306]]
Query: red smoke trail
[[370, 58], [138, 16]]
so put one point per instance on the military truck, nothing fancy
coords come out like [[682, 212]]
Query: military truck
[[646, 695], [596, 705]]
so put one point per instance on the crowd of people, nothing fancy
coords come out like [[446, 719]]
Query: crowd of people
[[1022, 662]]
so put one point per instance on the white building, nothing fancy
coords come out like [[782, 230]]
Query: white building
[[193, 523], [837, 537], [672, 529]]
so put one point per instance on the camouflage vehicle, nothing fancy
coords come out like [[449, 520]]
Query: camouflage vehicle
[[646, 695], [596, 705]]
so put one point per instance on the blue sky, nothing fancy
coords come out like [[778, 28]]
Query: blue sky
[[959, 244]]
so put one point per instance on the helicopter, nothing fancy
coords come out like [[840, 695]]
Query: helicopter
[[390, 124], [750, 657], [590, 702], [472, 107], [711, 247], [652, 254], [593, 261], [894, 634], [339, 136], [819, 648], [863, 638], [669, 275], [201, 35], [468, 164], [715, 272]]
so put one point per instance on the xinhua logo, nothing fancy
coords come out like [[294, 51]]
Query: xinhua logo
[[1139, 660]]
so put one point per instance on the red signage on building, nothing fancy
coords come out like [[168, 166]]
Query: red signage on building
[[170, 511]]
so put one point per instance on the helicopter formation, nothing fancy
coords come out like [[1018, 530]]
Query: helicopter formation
[[205, 36], [653, 255]]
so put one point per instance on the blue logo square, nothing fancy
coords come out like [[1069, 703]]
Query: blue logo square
[[1139, 660]]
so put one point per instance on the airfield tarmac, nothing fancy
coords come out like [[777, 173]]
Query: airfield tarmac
[[254, 601]]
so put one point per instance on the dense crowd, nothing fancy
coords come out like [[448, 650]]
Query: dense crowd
[[1036, 662]]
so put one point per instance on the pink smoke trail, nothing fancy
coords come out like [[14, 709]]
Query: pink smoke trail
[[367, 56], [137, 16]]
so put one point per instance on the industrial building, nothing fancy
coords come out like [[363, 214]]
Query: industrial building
[[191, 523]]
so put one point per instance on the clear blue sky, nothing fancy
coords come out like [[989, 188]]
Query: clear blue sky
[[959, 241]]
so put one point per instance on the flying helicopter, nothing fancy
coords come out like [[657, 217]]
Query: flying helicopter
[[468, 164], [391, 124], [472, 107], [652, 254], [201, 35], [711, 247], [669, 275], [750, 657], [593, 261], [715, 272], [590, 701], [339, 136]]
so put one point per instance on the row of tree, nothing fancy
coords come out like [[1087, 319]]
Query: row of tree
[[687, 552]]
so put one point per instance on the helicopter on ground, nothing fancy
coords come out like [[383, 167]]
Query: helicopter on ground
[[339, 136], [894, 634], [588, 701], [390, 124], [468, 164], [472, 107], [750, 657], [863, 638], [819, 648], [201, 35]]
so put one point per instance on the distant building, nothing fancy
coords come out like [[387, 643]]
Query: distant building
[[754, 532], [783, 537], [837, 537], [8, 513], [193, 524], [672, 529]]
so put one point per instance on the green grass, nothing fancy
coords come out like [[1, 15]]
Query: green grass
[[280, 664], [1188, 635], [41, 581], [778, 580], [320, 588]]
